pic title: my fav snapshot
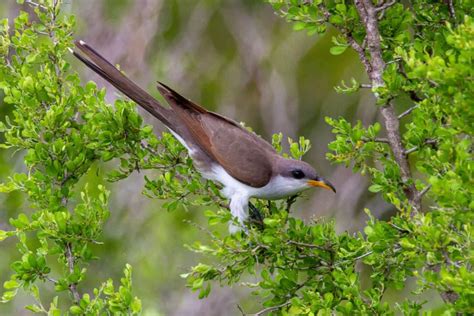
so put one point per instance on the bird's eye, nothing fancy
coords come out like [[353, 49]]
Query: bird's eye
[[297, 174]]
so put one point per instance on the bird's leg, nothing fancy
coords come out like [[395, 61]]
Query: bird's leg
[[255, 216]]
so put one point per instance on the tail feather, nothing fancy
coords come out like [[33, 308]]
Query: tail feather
[[110, 73]]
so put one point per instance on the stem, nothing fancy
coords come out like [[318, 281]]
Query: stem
[[452, 12], [408, 111], [363, 255], [301, 244], [385, 6], [424, 191], [70, 262], [34, 4], [271, 308]]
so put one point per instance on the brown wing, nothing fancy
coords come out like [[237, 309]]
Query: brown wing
[[241, 153], [244, 155]]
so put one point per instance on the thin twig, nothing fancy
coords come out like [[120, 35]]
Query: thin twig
[[50, 279], [424, 191], [429, 141], [365, 86], [241, 310], [398, 228], [358, 48], [270, 309], [409, 151], [37, 5], [363, 255], [385, 6], [376, 140], [408, 111], [306, 245]]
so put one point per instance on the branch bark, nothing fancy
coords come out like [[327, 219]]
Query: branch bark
[[368, 15], [70, 262]]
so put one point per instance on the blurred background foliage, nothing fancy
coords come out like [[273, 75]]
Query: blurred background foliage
[[235, 57]]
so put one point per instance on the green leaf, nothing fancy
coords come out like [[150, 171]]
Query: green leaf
[[337, 50], [375, 188]]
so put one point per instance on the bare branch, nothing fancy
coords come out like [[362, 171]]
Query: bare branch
[[240, 310], [70, 262], [424, 191], [358, 48], [377, 140], [270, 309], [365, 86], [50, 279], [452, 12], [363, 255], [398, 228], [301, 244], [36, 5], [428, 141], [385, 6], [408, 111], [409, 151]]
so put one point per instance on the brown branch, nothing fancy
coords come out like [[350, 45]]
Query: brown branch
[[368, 15], [392, 126], [361, 52], [70, 262], [385, 5], [452, 12]]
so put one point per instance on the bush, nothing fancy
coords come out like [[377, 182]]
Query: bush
[[421, 52]]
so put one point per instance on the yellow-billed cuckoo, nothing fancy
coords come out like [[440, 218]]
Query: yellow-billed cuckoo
[[222, 150]]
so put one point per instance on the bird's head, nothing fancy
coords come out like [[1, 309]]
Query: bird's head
[[292, 176]]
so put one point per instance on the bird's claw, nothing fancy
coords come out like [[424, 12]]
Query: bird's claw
[[255, 216]]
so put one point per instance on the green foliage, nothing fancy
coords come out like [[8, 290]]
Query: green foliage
[[302, 268], [306, 268], [63, 129]]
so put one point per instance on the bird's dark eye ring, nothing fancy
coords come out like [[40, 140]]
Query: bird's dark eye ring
[[297, 174]]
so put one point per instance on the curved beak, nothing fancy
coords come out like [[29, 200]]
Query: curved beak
[[322, 183]]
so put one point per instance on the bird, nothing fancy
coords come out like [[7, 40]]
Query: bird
[[222, 150]]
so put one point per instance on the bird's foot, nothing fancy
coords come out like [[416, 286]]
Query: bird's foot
[[255, 216]]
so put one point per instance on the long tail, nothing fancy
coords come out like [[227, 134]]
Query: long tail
[[110, 73]]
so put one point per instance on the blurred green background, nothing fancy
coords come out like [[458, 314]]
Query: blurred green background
[[235, 57]]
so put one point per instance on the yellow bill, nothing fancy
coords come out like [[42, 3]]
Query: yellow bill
[[322, 183]]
